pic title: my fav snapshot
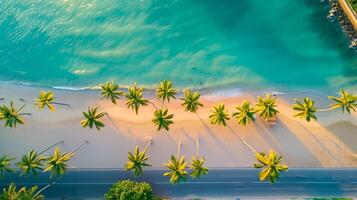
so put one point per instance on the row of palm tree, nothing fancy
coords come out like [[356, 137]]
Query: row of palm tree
[[33, 162], [176, 165], [23, 193], [137, 161], [245, 113]]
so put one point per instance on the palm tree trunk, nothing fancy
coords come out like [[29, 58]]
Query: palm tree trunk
[[152, 103], [197, 146], [325, 110], [178, 150], [244, 142], [44, 188], [148, 144], [61, 104], [48, 148], [76, 149]]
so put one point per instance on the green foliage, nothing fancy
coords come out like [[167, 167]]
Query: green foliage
[[306, 109], [166, 91], [191, 101], [271, 166], [45, 99], [129, 190], [31, 163], [12, 193], [346, 102], [30, 194], [57, 163], [92, 118], [5, 164], [266, 107], [11, 115], [110, 91], [135, 98], [219, 115], [353, 4], [177, 169], [162, 119], [244, 114], [197, 167], [137, 161]]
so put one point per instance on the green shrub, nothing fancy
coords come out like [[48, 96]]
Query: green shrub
[[354, 4], [129, 190]]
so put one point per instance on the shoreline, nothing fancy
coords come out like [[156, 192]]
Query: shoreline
[[329, 142]]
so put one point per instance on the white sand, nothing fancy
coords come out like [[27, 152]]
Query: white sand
[[329, 142]]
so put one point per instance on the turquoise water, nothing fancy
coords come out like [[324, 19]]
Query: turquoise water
[[201, 43]]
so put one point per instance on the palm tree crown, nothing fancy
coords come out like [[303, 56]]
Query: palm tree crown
[[165, 91], [57, 163], [266, 107], [162, 119], [93, 118], [346, 101], [11, 115], [177, 169], [11, 193], [271, 165], [197, 167], [306, 109], [191, 100], [219, 115], [135, 98], [31, 194], [137, 161], [45, 99], [31, 162], [244, 113], [110, 91], [5, 164]]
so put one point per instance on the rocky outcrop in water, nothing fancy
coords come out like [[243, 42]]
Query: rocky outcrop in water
[[336, 13]]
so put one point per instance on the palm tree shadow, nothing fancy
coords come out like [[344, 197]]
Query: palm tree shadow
[[212, 135], [187, 135], [321, 144], [292, 146]]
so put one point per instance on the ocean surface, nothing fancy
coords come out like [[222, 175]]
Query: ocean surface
[[195, 43]]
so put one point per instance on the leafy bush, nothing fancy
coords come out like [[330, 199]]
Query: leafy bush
[[129, 190], [354, 4]]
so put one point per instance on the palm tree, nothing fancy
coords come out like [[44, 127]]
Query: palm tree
[[346, 101], [266, 107], [93, 118], [32, 193], [135, 98], [219, 115], [271, 165], [31, 163], [177, 168], [245, 113], [11, 193], [12, 115], [5, 165], [110, 91], [57, 163], [47, 99], [137, 160], [197, 164], [191, 101], [166, 91], [162, 119], [306, 109]]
